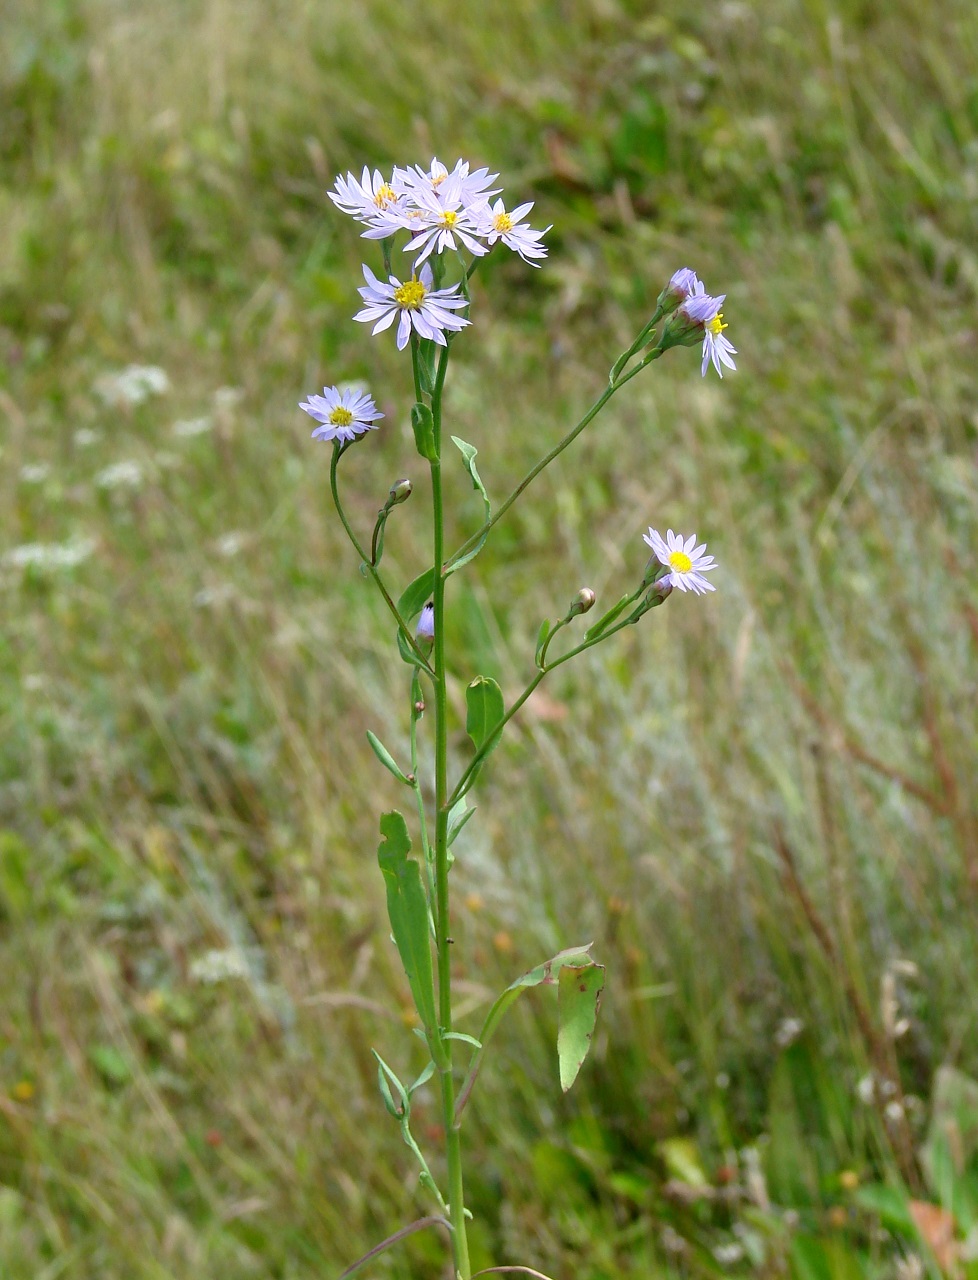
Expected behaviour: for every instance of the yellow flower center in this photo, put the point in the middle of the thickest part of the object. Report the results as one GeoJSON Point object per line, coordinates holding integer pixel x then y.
{"type": "Point", "coordinates": [341, 417]}
{"type": "Point", "coordinates": [449, 218]}
{"type": "Point", "coordinates": [436, 182]}
{"type": "Point", "coordinates": [716, 325]}
{"type": "Point", "coordinates": [680, 561]}
{"type": "Point", "coordinates": [502, 222]}
{"type": "Point", "coordinates": [410, 295]}
{"type": "Point", "coordinates": [384, 196]}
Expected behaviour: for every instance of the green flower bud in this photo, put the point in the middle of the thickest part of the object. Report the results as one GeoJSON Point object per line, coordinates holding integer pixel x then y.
{"type": "Point", "coordinates": [653, 570]}
{"type": "Point", "coordinates": [400, 492]}
{"type": "Point", "coordinates": [582, 602]}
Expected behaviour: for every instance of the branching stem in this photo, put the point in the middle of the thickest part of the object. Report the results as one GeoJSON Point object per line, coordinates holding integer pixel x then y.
{"type": "Point", "coordinates": [371, 568]}
{"type": "Point", "coordinates": [555, 452]}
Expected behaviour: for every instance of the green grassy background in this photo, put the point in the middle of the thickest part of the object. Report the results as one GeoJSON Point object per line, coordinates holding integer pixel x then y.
{"type": "Point", "coordinates": [760, 805]}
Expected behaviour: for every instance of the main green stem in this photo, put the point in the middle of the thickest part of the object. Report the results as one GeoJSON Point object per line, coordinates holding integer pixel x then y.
{"type": "Point", "coordinates": [444, 799]}
{"type": "Point", "coordinates": [453, 1145]}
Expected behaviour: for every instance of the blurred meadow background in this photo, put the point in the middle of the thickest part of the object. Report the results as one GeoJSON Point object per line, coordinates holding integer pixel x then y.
{"type": "Point", "coordinates": [760, 805]}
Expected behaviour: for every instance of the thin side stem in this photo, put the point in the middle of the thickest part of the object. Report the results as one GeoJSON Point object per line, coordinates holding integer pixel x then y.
{"type": "Point", "coordinates": [493, 736]}
{"type": "Point", "coordinates": [416, 696]}
{"type": "Point", "coordinates": [434, 1220]}
{"type": "Point", "coordinates": [555, 452]}
{"type": "Point", "coordinates": [644, 337]}
{"type": "Point", "coordinates": [371, 568]}
{"type": "Point", "coordinates": [426, 1177]}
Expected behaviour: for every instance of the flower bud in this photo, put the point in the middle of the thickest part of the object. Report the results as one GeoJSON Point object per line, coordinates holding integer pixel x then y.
{"type": "Point", "coordinates": [400, 492]}
{"type": "Point", "coordinates": [653, 570]}
{"type": "Point", "coordinates": [661, 591]}
{"type": "Point", "coordinates": [425, 633]}
{"type": "Point", "coordinates": [399, 1108]}
{"type": "Point", "coordinates": [582, 602]}
{"type": "Point", "coordinates": [687, 326]}
{"type": "Point", "coordinates": [681, 285]}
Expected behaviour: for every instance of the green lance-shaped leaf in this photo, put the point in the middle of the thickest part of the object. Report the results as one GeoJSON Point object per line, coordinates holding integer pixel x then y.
{"type": "Point", "coordinates": [423, 1078]}
{"type": "Point", "coordinates": [458, 816]}
{"type": "Point", "coordinates": [578, 1001]}
{"type": "Point", "coordinates": [424, 431]}
{"type": "Point", "coordinates": [407, 909]}
{"type": "Point", "coordinates": [400, 1107]}
{"type": "Point", "coordinates": [416, 595]}
{"type": "Point", "coordinates": [605, 621]}
{"type": "Point", "coordinates": [575, 959]}
{"type": "Point", "coordinates": [468, 453]}
{"type": "Point", "coordinates": [426, 364]}
{"type": "Point", "coordinates": [484, 709]}
{"type": "Point", "coordinates": [386, 759]}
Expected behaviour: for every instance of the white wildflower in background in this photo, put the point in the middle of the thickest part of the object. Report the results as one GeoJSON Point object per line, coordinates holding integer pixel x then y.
{"type": "Point", "coordinates": [788, 1031]}
{"type": "Point", "coordinates": [414, 304]}
{"type": "Point", "coordinates": [227, 397]}
{"type": "Point", "coordinates": [132, 385]}
{"type": "Point", "coordinates": [84, 437]}
{"type": "Point", "coordinates": [728, 1255]}
{"type": "Point", "coordinates": [213, 597]}
{"type": "Point", "coordinates": [497, 224]}
{"type": "Point", "coordinates": [120, 475]}
{"type": "Point", "coordinates": [34, 472]}
{"type": "Point", "coordinates": [755, 1183]}
{"type": "Point", "coordinates": [342, 415]}
{"type": "Point", "coordinates": [909, 1268]}
{"type": "Point", "coordinates": [219, 966]}
{"type": "Point", "coordinates": [229, 544]}
{"type": "Point", "coordinates": [672, 1241]}
{"type": "Point", "coordinates": [684, 558]}
{"type": "Point", "coordinates": [188, 427]}
{"type": "Point", "coordinates": [49, 555]}
{"type": "Point", "coordinates": [866, 1089]}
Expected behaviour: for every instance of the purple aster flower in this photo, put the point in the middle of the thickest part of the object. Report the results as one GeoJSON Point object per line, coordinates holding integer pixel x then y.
{"type": "Point", "coordinates": [342, 415]}
{"type": "Point", "coordinates": [414, 304]}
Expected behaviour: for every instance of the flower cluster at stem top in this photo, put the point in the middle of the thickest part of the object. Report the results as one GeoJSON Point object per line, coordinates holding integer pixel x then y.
{"type": "Point", "coordinates": [441, 209]}
{"type": "Point", "coordinates": [445, 210]}
{"type": "Point", "coordinates": [696, 313]}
